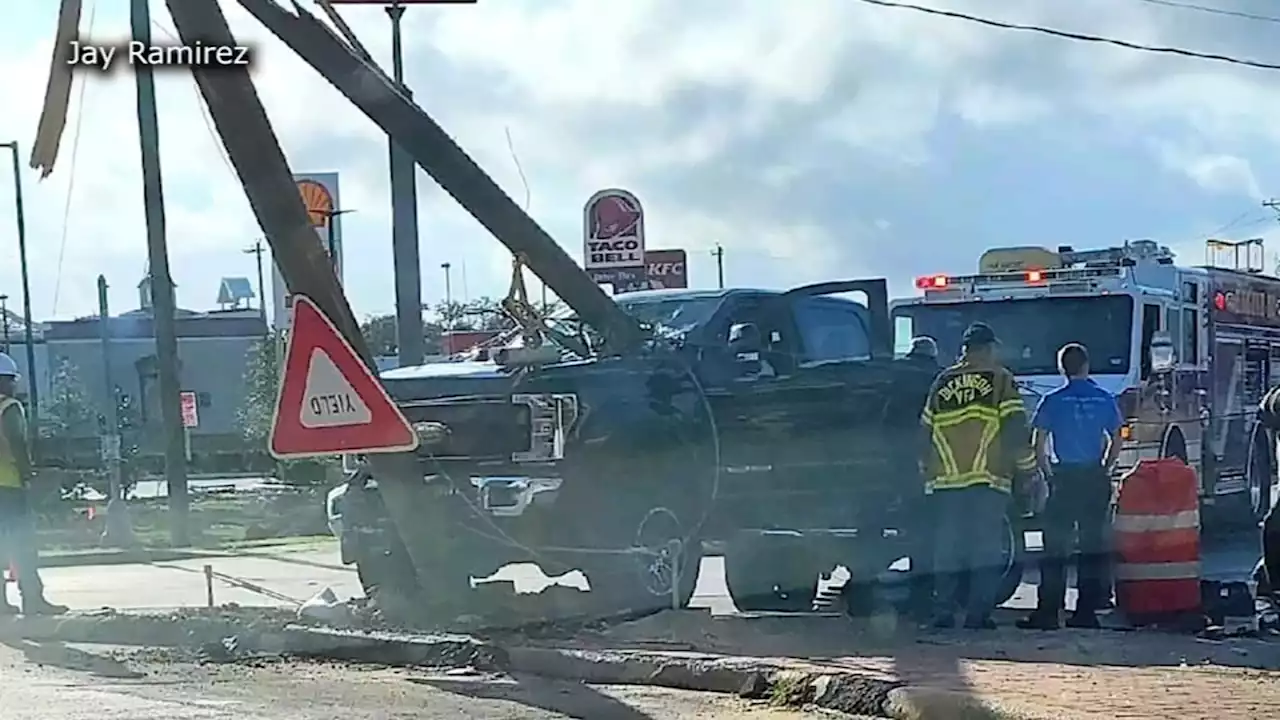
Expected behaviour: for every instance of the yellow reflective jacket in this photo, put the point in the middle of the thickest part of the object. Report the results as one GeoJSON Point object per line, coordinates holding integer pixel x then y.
{"type": "Point", "coordinates": [10, 474]}
{"type": "Point", "coordinates": [976, 430]}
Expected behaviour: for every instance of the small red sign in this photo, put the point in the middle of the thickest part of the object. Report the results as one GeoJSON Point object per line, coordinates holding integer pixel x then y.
{"type": "Point", "coordinates": [190, 409]}
{"type": "Point", "coordinates": [329, 401]}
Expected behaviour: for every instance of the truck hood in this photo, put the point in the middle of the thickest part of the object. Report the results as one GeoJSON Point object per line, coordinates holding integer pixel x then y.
{"type": "Point", "coordinates": [1034, 387]}
{"type": "Point", "coordinates": [466, 369]}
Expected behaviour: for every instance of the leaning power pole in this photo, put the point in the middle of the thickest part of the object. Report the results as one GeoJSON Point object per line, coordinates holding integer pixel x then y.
{"type": "Point", "coordinates": [162, 300]}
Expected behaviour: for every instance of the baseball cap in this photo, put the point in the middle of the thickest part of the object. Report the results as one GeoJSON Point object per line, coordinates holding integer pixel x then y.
{"type": "Point", "coordinates": [979, 334]}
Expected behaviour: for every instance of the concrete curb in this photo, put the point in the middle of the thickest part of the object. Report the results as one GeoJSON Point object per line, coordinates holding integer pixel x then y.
{"type": "Point", "coordinates": [123, 557]}
{"type": "Point", "coordinates": [117, 556]}
{"type": "Point", "coordinates": [793, 683]}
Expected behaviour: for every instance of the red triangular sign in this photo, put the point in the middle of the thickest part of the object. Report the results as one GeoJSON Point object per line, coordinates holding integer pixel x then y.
{"type": "Point", "coordinates": [329, 401]}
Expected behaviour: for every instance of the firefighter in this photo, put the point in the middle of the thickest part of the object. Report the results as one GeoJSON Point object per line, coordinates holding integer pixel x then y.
{"type": "Point", "coordinates": [17, 530]}
{"type": "Point", "coordinates": [977, 444]}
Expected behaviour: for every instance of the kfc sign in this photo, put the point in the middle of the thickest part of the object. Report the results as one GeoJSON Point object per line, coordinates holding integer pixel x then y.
{"type": "Point", "coordinates": [667, 269]}
{"type": "Point", "coordinates": [613, 228]}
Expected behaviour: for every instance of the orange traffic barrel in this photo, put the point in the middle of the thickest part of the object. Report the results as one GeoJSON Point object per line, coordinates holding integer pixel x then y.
{"type": "Point", "coordinates": [1157, 539]}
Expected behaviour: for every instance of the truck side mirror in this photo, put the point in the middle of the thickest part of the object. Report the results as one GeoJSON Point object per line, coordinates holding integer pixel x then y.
{"type": "Point", "coordinates": [1163, 358]}
{"type": "Point", "coordinates": [745, 340]}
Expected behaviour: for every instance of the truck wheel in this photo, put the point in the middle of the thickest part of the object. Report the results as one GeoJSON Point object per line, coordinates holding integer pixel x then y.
{"type": "Point", "coordinates": [1260, 478]}
{"type": "Point", "coordinates": [1012, 564]}
{"type": "Point", "coordinates": [770, 573]}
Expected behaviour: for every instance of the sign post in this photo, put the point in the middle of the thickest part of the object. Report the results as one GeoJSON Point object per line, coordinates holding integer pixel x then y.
{"type": "Point", "coordinates": [190, 418]}
{"type": "Point", "coordinates": [329, 402]}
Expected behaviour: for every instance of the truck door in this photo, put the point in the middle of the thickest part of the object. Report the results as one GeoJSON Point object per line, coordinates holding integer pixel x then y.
{"type": "Point", "coordinates": [747, 367]}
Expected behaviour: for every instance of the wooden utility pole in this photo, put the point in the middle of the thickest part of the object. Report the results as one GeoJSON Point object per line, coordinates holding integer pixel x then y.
{"type": "Point", "coordinates": [257, 250]}
{"type": "Point", "coordinates": [162, 296]}
{"type": "Point", "coordinates": [718, 254]}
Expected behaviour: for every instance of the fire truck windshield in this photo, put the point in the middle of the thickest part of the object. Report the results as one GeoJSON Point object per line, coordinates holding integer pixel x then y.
{"type": "Point", "coordinates": [1031, 331]}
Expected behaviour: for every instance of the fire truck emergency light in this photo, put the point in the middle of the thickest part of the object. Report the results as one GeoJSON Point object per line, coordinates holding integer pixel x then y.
{"type": "Point", "coordinates": [931, 281]}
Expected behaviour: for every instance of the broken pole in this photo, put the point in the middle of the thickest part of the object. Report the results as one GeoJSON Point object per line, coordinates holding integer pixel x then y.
{"type": "Point", "coordinates": [162, 297]}
{"type": "Point", "coordinates": [450, 166]}
{"type": "Point", "coordinates": [254, 151]}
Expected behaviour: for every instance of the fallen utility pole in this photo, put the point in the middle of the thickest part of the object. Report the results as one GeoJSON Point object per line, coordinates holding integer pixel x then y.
{"type": "Point", "coordinates": [449, 165]}
{"type": "Point", "coordinates": [162, 296]}
{"type": "Point", "coordinates": [251, 144]}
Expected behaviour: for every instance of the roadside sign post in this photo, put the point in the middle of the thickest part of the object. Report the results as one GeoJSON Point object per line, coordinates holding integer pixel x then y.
{"type": "Point", "coordinates": [329, 402]}
{"type": "Point", "coordinates": [190, 418]}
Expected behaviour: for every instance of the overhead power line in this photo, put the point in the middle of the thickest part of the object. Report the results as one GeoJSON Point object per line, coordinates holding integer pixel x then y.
{"type": "Point", "coordinates": [1214, 10]}
{"type": "Point", "coordinates": [1081, 37]}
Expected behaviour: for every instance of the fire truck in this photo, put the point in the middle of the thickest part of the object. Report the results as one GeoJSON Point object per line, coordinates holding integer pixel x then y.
{"type": "Point", "coordinates": [1188, 350]}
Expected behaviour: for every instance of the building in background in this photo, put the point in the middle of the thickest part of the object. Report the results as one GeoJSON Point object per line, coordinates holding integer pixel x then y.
{"type": "Point", "coordinates": [320, 194]}
{"type": "Point", "coordinates": [214, 350]}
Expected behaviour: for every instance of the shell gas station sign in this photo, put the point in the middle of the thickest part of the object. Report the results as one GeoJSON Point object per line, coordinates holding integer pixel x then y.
{"type": "Point", "coordinates": [319, 193]}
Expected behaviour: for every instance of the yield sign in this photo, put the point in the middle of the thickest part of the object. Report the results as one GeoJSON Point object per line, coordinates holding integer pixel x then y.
{"type": "Point", "coordinates": [329, 401]}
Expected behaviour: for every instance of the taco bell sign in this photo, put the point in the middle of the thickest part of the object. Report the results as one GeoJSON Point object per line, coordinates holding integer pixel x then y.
{"type": "Point", "coordinates": [613, 228]}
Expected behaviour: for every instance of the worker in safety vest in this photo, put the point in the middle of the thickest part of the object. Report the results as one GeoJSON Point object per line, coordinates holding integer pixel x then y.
{"type": "Point", "coordinates": [977, 445]}
{"type": "Point", "coordinates": [17, 531]}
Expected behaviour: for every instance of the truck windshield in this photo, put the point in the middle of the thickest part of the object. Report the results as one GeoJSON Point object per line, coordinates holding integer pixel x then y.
{"type": "Point", "coordinates": [1031, 331]}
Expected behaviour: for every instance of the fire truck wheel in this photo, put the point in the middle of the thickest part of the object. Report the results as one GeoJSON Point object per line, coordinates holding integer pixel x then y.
{"type": "Point", "coordinates": [770, 573]}
{"type": "Point", "coordinates": [1260, 479]}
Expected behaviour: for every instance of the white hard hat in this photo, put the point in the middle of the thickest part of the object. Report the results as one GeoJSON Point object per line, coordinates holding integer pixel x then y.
{"type": "Point", "coordinates": [8, 368]}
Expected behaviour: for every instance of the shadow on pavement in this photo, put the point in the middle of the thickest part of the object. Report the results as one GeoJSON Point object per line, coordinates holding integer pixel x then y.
{"type": "Point", "coordinates": [58, 655]}
{"type": "Point", "coordinates": [574, 700]}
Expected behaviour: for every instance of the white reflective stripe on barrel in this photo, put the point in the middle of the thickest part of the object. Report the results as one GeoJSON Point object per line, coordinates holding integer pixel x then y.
{"type": "Point", "coordinates": [1185, 520]}
{"type": "Point", "coordinates": [1158, 571]}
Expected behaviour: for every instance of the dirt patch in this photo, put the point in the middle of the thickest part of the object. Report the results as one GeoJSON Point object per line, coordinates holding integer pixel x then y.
{"type": "Point", "coordinates": [1065, 674]}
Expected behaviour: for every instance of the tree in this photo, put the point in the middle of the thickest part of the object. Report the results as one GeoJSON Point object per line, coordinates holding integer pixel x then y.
{"type": "Point", "coordinates": [262, 383]}
{"type": "Point", "coordinates": [380, 333]}
{"type": "Point", "coordinates": [67, 412]}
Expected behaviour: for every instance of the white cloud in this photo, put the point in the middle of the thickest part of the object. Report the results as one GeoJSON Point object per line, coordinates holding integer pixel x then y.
{"type": "Point", "coordinates": [808, 138]}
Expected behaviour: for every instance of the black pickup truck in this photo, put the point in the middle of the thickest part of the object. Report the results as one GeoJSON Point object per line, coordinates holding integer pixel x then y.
{"type": "Point", "coordinates": [777, 426]}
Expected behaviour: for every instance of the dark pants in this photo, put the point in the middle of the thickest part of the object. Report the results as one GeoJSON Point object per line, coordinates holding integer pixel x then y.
{"type": "Point", "coordinates": [18, 542]}
{"type": "Point", "coordinates": [1078, 511]}
{"type": "Point", "coordinates": [969, 527]}
{"type": "Point", "coordinates": [922, 531]}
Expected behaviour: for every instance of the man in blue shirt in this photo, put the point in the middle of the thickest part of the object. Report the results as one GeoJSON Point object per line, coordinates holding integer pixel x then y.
{"type": "Point", "coordinates": [1077, 437]}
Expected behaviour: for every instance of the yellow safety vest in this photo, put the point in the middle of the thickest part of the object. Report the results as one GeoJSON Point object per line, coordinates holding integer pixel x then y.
{"type": "Point", "coordinates": [977, 429]}
{"type": "Point", "coordinates": [10, 476]}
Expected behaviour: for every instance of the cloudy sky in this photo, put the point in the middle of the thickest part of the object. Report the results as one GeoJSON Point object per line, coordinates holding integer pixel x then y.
{"type": "Point", "coordinates": [812, 139]}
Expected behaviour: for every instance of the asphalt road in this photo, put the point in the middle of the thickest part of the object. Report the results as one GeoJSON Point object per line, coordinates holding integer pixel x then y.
{"type": "Point", "coordinates": [285, 577]}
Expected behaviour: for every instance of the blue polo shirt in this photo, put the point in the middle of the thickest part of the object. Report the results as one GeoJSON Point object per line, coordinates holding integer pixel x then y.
{"type": "Point", "coordinates": [1079, 417]}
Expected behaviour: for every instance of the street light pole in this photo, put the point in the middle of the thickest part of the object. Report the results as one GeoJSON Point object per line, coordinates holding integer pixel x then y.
{"type": "Point", "coordinates": [33, 399]}
{"type": "Point", "coordinates": [404, 222]}
{"type": "Point", "coordinates": [448, 294]}
{"type": "Point", "coordinates": [4, 313]}
{"type": "Point", "coordinates": [331, 241]}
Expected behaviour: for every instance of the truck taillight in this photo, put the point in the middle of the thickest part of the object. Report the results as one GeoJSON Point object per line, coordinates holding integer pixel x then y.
{"type": "Point", "coordinates": [931, 282]}
{"type": "Point", "coordinates": [1035, 276]}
